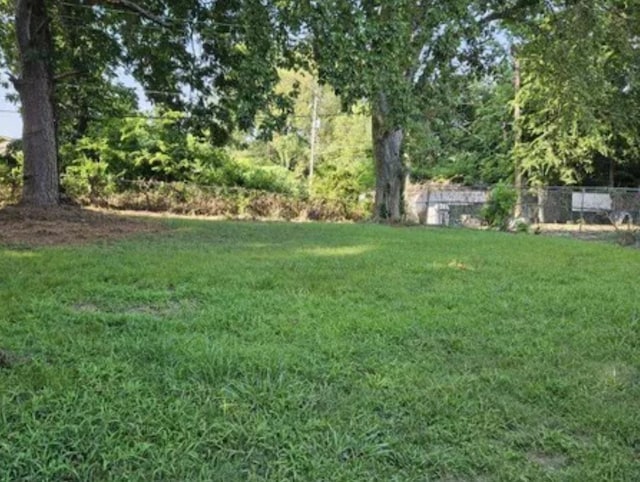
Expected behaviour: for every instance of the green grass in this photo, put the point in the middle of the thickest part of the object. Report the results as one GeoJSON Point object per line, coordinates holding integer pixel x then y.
{"type": "Point", "coordinates": [237, 351]}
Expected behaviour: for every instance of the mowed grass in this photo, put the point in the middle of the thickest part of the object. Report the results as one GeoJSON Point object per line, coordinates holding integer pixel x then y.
{"type": "Point", "coordinates": [238, 351]}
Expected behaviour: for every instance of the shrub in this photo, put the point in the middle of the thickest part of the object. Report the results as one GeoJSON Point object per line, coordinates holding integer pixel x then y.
{"type": "Point", "coordinates": [11, 162]}
{"type": "Point", "coordinates": [88, 181]}
{"type": "Point", "coordinates": [233, 202]}
{"type": "Point", "coordinates": [246, 174]}
{"type": "Point", "coordinates": [499, 207]}
{"type": "Point", "coordinates": [521, 226]}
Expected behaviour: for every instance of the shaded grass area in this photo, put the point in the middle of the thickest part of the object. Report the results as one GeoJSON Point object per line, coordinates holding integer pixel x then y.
{"type": "Point", "coordinates": [239, 351]}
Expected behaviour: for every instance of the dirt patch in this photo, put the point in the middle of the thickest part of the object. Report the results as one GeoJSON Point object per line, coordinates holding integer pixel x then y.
{"type": "Point", "coordinates": [10, 360]}
{"type": "Point", "coordinates": [548, 461]}
{"type": "Point", "coordinates": [607, 233]}
{"type": "Point", "coordinates": [67, 225]}
{"type": "Point", "coordinates": [6, 359]}
{"type": "Point", "coordinates": [158, 309]}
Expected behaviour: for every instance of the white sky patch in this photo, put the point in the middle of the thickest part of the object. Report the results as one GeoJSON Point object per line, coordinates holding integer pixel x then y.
{"type": "Point", "coordinates": [10, 120]}
{"type": "Point", "coordinates": [425, 57]}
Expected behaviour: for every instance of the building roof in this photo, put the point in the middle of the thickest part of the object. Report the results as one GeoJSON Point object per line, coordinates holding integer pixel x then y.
{"type": "Point", "coordinates": [5, 142]}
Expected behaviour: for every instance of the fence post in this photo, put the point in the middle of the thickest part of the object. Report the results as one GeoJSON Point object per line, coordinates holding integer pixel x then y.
{"type": "Point", "coordinates": [426, 217]}
{"type": "Point", "coordinates": [582, 209]}
{"type": "Point", "coordinates": [542, 197]}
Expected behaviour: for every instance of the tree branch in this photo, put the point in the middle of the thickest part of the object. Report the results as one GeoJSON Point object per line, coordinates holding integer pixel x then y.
{"type": "Point", "coordinates": [510, 12]}
{"type": "Point", "coordinates": [66, 75]}
{"type": "Point", "coordinates": [131, 6]}
{"type": "Point", "coordinates": [16, 81]}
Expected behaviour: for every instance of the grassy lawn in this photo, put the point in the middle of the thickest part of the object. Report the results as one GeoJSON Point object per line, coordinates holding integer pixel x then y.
{"type": "Point", "coordinates": [237, 351]}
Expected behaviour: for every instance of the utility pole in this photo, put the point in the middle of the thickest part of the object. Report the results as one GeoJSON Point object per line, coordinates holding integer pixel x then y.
{"type": "Point", "coordinates": [315, 123]}
{"type": "Point", "coordinates": [518, 177]}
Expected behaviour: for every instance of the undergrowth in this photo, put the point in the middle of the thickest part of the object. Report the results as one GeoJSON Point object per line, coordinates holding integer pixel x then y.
{"type": "Point", "coordinates": [230, 202]}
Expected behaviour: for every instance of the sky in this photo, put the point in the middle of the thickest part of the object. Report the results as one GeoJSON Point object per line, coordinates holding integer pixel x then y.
{"type": "Point", "coordinates": [11, 122]}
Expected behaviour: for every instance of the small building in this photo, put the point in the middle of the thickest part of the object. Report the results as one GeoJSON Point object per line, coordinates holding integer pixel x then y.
{"type": "Point", "coordinates": [444, 205]}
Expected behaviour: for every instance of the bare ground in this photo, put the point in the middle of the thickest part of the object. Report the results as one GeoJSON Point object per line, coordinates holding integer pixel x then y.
{"type": "Point", "coordinates": [623, 235]}
{"type": "Point", "coordinates": [73, 225]}
{"type": "Point", "coordinates": [67, 225]}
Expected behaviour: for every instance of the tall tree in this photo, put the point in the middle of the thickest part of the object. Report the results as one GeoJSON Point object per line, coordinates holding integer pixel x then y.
{"type": "Point", "coordinates": [216, 61]}
{"type": "Point", "coordinates": [575, 108]}
{"type": "Point", "coordinates": [465, 133]}
{"type": "Point", "coordinates": [343, 160]}
{"type": "Point", "coordinates": [392, 53]}
{"type": "Point", "coordinates": [580, 89]}
{"type": "Point", "coordinates": [35, 85]}
{"type": "Point", "coordinates": [380, 51]}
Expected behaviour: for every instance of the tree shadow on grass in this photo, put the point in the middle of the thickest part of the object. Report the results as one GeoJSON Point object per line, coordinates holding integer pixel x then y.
{"type": "Point", "coordinates": [65, 225]}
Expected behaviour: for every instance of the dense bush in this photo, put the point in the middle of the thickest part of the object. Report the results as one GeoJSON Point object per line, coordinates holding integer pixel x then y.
{"type": "Point", "coordinates": [143, 148]}
{"type": "Point", "coordinates": [232, 202]}
{"type": "Point", "coordinates": [88, 181]}
{"type": "Point", "coordinates": [154, 163]}
{"type": "Point", "coordinates": [243, 173]}
{"type": "Point", "coordinates": [10, 172]}
{"type": "Point", "coordinates": [499, 208]}
{"type": "Point", "coordinates": [157, 149]}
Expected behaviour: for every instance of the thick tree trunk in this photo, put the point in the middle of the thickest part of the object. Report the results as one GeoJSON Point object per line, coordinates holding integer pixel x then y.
{"type": "Point", "coordinates": [36, 89]}
{"type": "Point", "coordinates": [390, 171]}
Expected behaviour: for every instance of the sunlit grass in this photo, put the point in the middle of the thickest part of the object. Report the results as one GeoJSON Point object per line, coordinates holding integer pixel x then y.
{"type": "Point", "coordinates": [239, 351]}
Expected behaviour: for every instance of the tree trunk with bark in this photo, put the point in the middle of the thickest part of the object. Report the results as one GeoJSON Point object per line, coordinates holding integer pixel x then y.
{"type": "Point", "coordinates": [390, 170]}
{"type": "Point", "coordinates": [36, 89]}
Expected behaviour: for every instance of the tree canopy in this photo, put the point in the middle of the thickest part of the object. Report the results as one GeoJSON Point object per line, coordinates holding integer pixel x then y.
{"type": "Point", "coordinates": [581, 90]}
{"type": "Point", "coordinates": [216, 62]}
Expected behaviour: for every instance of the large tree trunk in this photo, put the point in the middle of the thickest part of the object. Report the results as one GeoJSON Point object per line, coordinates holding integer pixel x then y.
{"type": "Point", "coordinates": [390, 171]}
{"type": "Point", "coordinates": [36, 89]}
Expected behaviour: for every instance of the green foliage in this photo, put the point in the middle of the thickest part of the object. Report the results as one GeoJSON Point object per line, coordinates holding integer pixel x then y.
{"type": "Point", "coordinates": [244, 173]}
{"type": "Point", "coordinates": [499, 207]}
{"type": "Point", "coordinates": [7, 33]}
{"type": "Point", "coordinates": [223, 83]}
{"type": "Point", "coordinates": [157, 148]}
{"type": "Point", "coordinates": [343, 166]}
{"type": "Point", "coordinates": [11, 162]}
{"type": "Point", "coordinates": [233, 68]}
{"type": "Point", "coordinates": [414, 41]}
{"type": "Point", "coordinates": [521, 227]}
{"type": "Point", "coordinates": [211, 353]}
{"type": "Point", "coordinates": [388, 54]}
{"type": "Point", "coordinates": [580, 81]}
{"type": "Point", "coordinates": [345, 169]}
{"type": "Point", "coordinates": [87, 180]}
{"type": "Point", "coordinates": [11, 169]}
{"type": "Point", "coordinates": [465, 134]}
